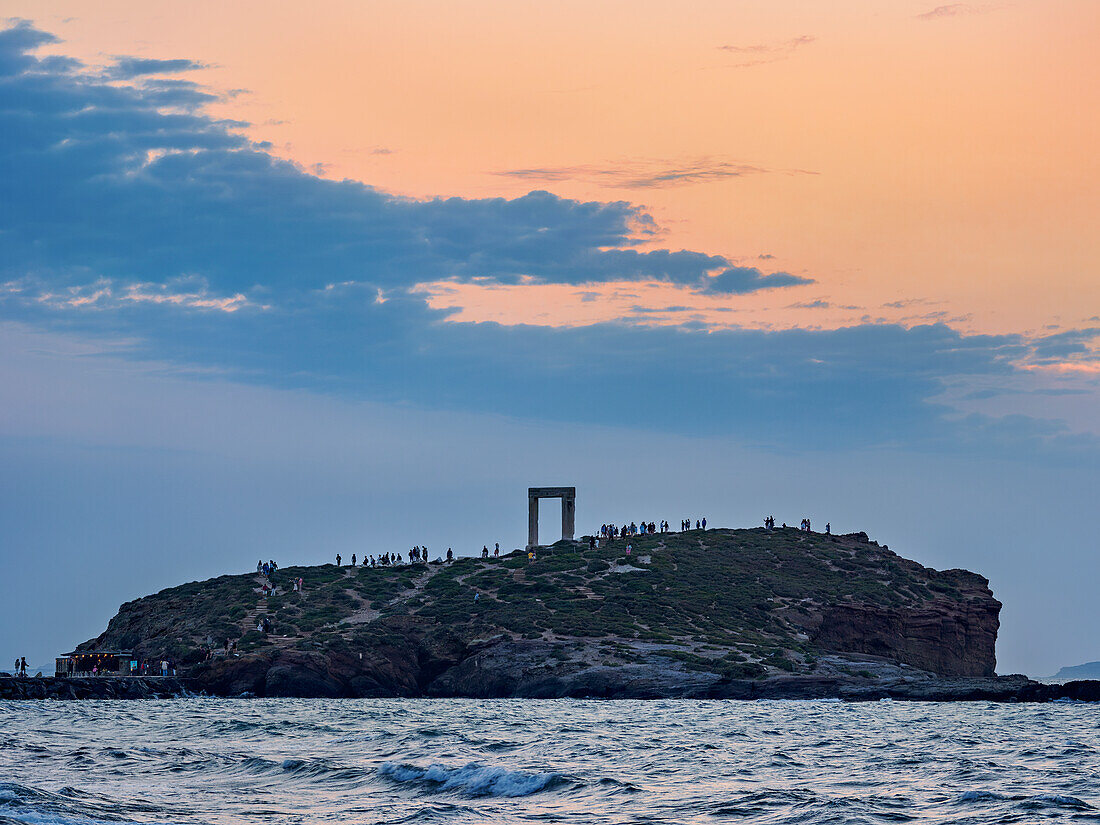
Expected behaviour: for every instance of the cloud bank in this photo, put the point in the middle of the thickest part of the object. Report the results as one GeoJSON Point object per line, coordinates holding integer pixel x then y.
{"type": "Point", "coordinates": [129, 214]}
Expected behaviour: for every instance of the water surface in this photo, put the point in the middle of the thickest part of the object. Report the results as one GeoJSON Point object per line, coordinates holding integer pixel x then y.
{"type": "Point", "coordinates": [515, 761]}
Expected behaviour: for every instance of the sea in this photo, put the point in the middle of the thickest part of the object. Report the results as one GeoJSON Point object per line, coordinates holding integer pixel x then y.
{"type": "Point", "coordinates": [199, 760]}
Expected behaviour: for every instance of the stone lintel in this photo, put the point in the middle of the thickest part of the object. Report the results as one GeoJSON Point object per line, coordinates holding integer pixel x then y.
{"type": "Point", "coordinates": [552, 492]}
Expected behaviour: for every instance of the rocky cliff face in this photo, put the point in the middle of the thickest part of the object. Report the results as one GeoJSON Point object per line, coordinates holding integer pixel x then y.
{"type": "Point", "coordinates": [947, 637]}
{"type": "Point", "coordinates": [714, 613]}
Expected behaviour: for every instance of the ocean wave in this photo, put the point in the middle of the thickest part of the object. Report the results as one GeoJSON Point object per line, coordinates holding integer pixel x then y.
{"type": "Point", "coordinates": [753, 803]}
{"type": "Point", "coordinates": [268, 727]}
{"type": "Point", "coordinates": [320, 769]}
{"type": "Point", "coordinates": [980, 796]}
{"type": "Point", "coordinates": [472, 779]}
{"type": "Point", "coordinates": [1042, 801]}
{"type": "Point", "coordinates": [314, 770]}
{"type": "Point", "coordinates": [187, 761]}
{"type": "Point", "coordinates": [67, 806]}
{"type": "Point", "coordinates": [1029, 803]}
{"type": "Point", "coordinates": [791, 763]}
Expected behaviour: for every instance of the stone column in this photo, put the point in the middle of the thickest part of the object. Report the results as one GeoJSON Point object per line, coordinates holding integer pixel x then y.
{"type": "Point", "coordinates": [532, 521]}
{"type": "Point", "coordinates": [568, 516]}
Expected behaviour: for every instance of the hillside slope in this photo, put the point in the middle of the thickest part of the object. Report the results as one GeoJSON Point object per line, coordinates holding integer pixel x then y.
{"type": "Point", "coordinates": [684, 614]}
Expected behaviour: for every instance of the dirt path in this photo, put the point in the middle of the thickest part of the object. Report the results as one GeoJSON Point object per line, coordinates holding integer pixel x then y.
{"type": "Point", "coordinates": [367, 614]}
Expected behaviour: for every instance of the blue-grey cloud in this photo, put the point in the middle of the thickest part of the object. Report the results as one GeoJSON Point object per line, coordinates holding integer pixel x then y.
{"type": "Point", "coordinates": [128, 68]}
{"type": "Point", "coordinates": [136, 184]}
{"type": "Point", "coordinates": [16, 43]}
{"type": "Point", "coordinates": [117, 185]}
{"type": "Point", "coordinates": [998, 392]}
{"type": "Point", "coordinates": [1066, 344]}
{"type": "Point", "coordinates": [127, 212]}
{"type": "Point", "coordinates": [738, 280]}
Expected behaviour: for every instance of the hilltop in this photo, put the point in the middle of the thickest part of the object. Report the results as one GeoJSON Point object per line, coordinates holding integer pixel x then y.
{"type": "Point", "coordinates": [693, 613]}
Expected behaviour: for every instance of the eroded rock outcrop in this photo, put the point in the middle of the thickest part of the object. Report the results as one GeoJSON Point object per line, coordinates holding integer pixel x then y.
{"type": "Point", "coordinates": [955, 638]}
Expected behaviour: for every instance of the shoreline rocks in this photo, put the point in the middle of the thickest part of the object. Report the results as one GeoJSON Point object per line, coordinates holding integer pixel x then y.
{"type": "Point", "coordinates": [64, 688]}
{"type": "Point", "coordinates": [598, 683]}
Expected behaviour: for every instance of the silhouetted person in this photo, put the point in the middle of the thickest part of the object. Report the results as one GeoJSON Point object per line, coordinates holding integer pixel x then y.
{"type": "Point", "coordinates": [337, 559]}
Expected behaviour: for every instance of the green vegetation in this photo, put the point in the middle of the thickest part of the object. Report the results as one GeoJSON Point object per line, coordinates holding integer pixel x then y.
{"type": "Point", "coordinates": [733, 601]}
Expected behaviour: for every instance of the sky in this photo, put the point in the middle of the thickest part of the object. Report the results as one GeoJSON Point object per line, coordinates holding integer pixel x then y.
{"type": "Point", "coordinates": [282, 283]}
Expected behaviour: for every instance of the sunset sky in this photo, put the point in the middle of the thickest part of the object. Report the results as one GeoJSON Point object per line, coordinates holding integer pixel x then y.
{"type": "Point", "coordinates": [284, 280]}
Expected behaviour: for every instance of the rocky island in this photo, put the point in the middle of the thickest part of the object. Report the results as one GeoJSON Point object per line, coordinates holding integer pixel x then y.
{"type": "Point", "coordinates": [717, 613]}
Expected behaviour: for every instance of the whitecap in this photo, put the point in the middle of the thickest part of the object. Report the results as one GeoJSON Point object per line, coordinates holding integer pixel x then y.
{"type": "Point", "coordinates": [472, 779]}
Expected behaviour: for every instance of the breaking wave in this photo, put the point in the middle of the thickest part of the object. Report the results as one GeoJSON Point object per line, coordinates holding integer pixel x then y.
{"type": "Point", "coordinates": [472, 779]}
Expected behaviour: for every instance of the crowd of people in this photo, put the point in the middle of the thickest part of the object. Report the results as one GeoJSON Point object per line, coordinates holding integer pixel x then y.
{"type": "Point", "coordinates": [804, 525]}
{"type": "Point", "coordinates": [610, 532]}
{"type": "Point", "coordinates": [417, 555]}
{"type": "Point", "coordinates": [270, 587]}
{"type": "Point", "coordinates": [607, 532]}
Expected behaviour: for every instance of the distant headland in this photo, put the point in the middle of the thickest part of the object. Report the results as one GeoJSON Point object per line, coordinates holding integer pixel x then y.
{"type": "Point", "coordinates": [1089, 670]}
{"type": "Point", "coordinates": [703, 613]}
